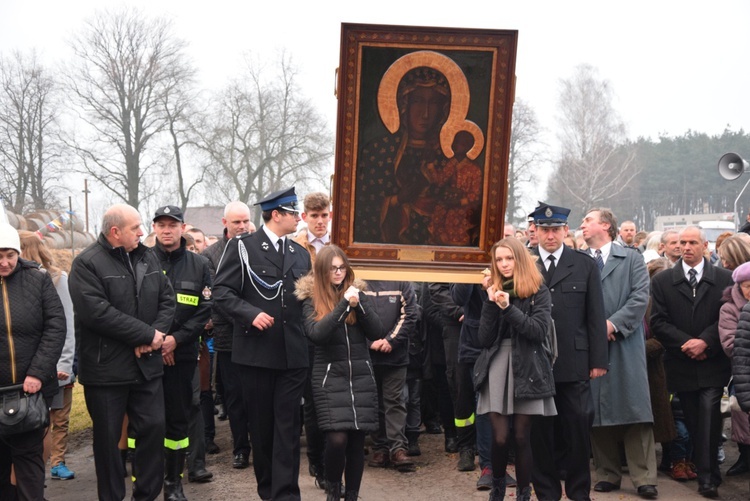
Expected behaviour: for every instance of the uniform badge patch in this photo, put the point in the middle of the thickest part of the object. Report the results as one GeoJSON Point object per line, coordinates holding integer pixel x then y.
{"type": "Point", "coordinates": [264, 246]}
{"type": "Point", "coordinates": [206, 293]}
{"type": "Point", "coordinates": [548, 212]}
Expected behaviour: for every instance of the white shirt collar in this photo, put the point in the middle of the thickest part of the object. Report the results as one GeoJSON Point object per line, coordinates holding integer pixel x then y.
{"type": "Point", "coordinates": [273, 237]}
{"type": "Point", "coordinates": [606, 248]}
{"type": "Point", "coordinates": [698, 270]}
{"type": "Point", "coordinates": [544, 255]}
{"type": "Point", "coordinates": [316, 242]}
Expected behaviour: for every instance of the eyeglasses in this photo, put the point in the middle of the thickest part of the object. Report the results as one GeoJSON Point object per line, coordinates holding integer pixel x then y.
{"type": "Point", "coordinates": [338, 269]}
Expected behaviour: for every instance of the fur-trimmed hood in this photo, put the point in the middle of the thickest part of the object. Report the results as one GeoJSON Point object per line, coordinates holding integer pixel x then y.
{"type": "Point", "coordinates": [304, 286]}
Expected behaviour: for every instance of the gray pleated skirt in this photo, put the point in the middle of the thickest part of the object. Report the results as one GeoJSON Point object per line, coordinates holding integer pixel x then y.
{"type": "Point", "coordinates": [497, 394]}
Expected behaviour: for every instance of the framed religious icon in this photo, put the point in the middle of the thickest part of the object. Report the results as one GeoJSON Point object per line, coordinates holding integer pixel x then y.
{"type": "Point", "coordinates": [422, 145]}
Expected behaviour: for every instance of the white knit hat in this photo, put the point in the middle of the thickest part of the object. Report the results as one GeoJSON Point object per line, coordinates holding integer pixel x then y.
{"type": "Point", "coordinates": [9, 238]}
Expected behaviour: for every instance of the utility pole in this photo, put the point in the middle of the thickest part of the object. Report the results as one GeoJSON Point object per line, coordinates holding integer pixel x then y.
{"type": "Point", "coordinates": [86, 201]}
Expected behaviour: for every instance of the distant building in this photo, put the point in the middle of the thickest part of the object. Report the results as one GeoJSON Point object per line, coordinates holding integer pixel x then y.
{"type": "Point", "coordinates": [206, 218]}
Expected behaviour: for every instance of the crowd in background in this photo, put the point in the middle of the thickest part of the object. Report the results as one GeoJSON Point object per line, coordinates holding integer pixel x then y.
{"type": "Point", "coordinates": [603, 319]}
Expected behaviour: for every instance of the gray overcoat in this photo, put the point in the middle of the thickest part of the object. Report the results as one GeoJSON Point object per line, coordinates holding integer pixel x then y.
{"type": "Point", "coordinates": [622, 396]}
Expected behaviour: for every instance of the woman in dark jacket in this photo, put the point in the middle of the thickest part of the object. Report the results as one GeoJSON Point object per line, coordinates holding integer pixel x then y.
{"type": "Point", "coordinates": [30, 347]}
{"type": "Point", "coordinates": [339, 320]}
{"type": "Point", "coordinates": [516, 317]}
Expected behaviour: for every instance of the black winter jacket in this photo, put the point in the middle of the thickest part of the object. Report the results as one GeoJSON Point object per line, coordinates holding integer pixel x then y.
{"type": "Point", "coordinates": [190, 277]}
{"type": "Point", "coordinates": [471, 298]}
{"type": "Point", "coordinates": [223, 327]}
{"type": "Point", "coordinates": [396, 305]}
{"type": "Point", "coordinates": [343, 382]}
{"type": "Point", "coordinates": [31, 345]}
{"type": "Point", "coordinates": [119, 299]}
{"type": "Point", "coordinates": [528, 324]}
{"type": "Point", "coordinates": [741, 359]}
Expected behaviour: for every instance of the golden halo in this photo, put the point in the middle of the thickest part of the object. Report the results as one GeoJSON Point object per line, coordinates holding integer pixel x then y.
{"type": "Point", "coordinates": [460, 97]}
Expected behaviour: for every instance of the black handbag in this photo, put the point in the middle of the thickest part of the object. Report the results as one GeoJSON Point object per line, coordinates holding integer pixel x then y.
{"type": "Point", "coordinates": [482, 365]}
{"type": "Point", "coordinates": [21, 412]}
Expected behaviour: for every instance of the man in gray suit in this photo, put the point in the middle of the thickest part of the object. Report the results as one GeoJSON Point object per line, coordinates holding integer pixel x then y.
{"type": "Point", "coordinates": [622, 410]}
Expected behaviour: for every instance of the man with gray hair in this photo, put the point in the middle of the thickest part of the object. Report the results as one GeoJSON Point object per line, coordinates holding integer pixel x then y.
{"type": "Point", "coordinates": [686, 302]}
{"type": "Point", "coordinates": [670, 246]}
{"type": "Point", "coordinates": [123, 306]}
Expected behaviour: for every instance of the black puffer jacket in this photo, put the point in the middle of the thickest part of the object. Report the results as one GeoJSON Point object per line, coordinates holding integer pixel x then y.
{"type": "Point", "coordinates": [32, 344]}
{"type": "Point", "coordinates": [223, 327]}
{"type": "Point", "coordinates": [526, 324]}
{"type": "Point", "coordinates": [396, 305]}
{"type": "Point", "coordinates": [343, 382]}
{"type": "Point", "coordinates": [118, 301]}
{"type": "Point", "coordinates": [741, 359]}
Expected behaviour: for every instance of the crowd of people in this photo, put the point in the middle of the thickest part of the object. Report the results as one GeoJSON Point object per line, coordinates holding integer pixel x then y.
{"type": "Point", "coordinates": [596, 343]}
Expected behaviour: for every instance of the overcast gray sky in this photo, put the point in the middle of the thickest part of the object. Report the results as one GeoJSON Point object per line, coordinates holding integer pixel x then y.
{"type": "Point", "coordinates": [674, 65]}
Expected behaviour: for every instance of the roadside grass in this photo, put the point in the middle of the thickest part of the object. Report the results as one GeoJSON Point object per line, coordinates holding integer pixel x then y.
{"type": "Point", "coordinates": [79, 415]}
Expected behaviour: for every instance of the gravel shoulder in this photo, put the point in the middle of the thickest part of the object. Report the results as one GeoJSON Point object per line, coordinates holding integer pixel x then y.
{"type": "Point", "coordinates": [435, 478]}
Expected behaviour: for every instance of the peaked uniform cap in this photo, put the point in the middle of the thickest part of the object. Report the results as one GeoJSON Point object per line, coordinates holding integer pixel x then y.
{"type": "Point", "coordinates": [550, 215]}
{"type": "Point", "coordinates": [285, 199]}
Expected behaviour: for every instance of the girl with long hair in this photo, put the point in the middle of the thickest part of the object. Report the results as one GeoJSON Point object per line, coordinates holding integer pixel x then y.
{"type": "Point", "coordinates": [516, 317]}
{"type": "Point", "coordinates": [34, 248]}
{"type": "Point", "coordinates": [339, 321]}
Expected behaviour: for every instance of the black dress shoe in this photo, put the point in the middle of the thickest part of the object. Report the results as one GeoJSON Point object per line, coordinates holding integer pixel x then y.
{"type": "Point", "coordinates": [648, 492]}
{"type": "Point", "coordinates": [211, 447]}
{"type": "Point", "coordinates": [604, 486]}
{"type": "Point", "coordinates": [451, 445]}
{"type": "Point", "coordinates": [200, 476]}
{"type": "Point", "coordinates": [739, 468]}
{"type": "Point", "coordinates": [708, 490]}
{"type": "Point", "coordinates": [241, 461]}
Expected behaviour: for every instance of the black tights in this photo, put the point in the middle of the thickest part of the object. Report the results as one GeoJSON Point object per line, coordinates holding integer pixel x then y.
{"type": "Point", "coordinates": [345, 449]}
{"type": "Point", "coordinates": [501, 444]}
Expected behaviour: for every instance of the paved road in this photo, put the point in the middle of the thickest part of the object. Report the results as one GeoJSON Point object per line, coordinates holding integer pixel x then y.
{"type": "Point", "coordinates": [435, 479]}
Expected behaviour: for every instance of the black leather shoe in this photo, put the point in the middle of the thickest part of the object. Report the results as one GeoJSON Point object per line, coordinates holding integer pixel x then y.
{"type": "Point", "coordinates": [211, 447]}
{"type": "Point", "coordinates": [241, 461]}
{"type": "Point", "coordinates": [708, 490]}
{"type": "Point", "coordinates": [648, 492]}
{"type": "Point", "coordinates": [604, 486]}
{"type": "Point", "coordinates": [200, 476]}
{"type": "Point", "coordinates": [451, 445]}
{"type": "Point", "coordinates": [739, 468]}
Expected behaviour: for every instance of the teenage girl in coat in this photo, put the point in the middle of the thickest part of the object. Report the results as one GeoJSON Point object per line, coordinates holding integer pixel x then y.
{"type": "Point", "coordinates": [516, 316]}
{"type": "Point", "coordinates": [339, 320]}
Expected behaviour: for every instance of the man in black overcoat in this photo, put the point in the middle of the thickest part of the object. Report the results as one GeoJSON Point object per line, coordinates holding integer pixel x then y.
{"type": "Point", "coordinates": [563, 442]}
{"type": "Point", "coordinates": [685, 305]}
{"type": "Point", "coordinates": [254, 286]}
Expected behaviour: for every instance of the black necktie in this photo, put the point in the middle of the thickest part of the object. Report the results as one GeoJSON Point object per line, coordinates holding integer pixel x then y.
{"type": "Point", "coordinates": [691, 279]}
{"type": "Point", "coordinates": [551, 267]}
{"type": "Point", "coordinates": [281, 246]}
{"type": "Point", "coordinates": [599, 259]}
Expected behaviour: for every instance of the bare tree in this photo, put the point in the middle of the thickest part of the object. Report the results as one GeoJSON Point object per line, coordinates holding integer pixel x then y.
{"type": "Point", "coordinates": [595, 162]}
{"type": "Point", "coordinates": [125, 67]}
{"type": "Point", "coordinates": [180, 112]}
{"type": "Point", "coordinates": [264, 135]}
{"type": "Point", "coordinates": [525, 160]}
{"type": "Point", "coordinates": [29, 149]}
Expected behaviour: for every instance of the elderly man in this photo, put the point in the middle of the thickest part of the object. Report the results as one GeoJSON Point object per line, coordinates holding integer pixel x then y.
{"type": "Point", "coordinates": [670, 246]}
{"type": "Point", "coordinates": [621, 399]}
{"type": "Point", "coordinates": [254, 286]}
{"type": "Point", "coordinates": [124, 306]}
{"type": "Point", "coordinates": [686, 302]}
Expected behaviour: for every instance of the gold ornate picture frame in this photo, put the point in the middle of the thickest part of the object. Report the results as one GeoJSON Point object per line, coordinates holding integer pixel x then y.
{"type": "Point", "coordinates": [423, 134]}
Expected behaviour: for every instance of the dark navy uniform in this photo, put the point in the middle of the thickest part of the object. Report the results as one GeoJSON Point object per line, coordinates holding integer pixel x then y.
{"type": "Point", "coordinates": [563, 441]}
{"type": "Point", "coordinates": [254, 278]}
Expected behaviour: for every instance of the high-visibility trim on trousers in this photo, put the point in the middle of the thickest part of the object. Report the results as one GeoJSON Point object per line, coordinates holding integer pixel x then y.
{"type": "Point", "coordinates": [176, 445]}
{"type": "Point", "coordinates": [462, 423]}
